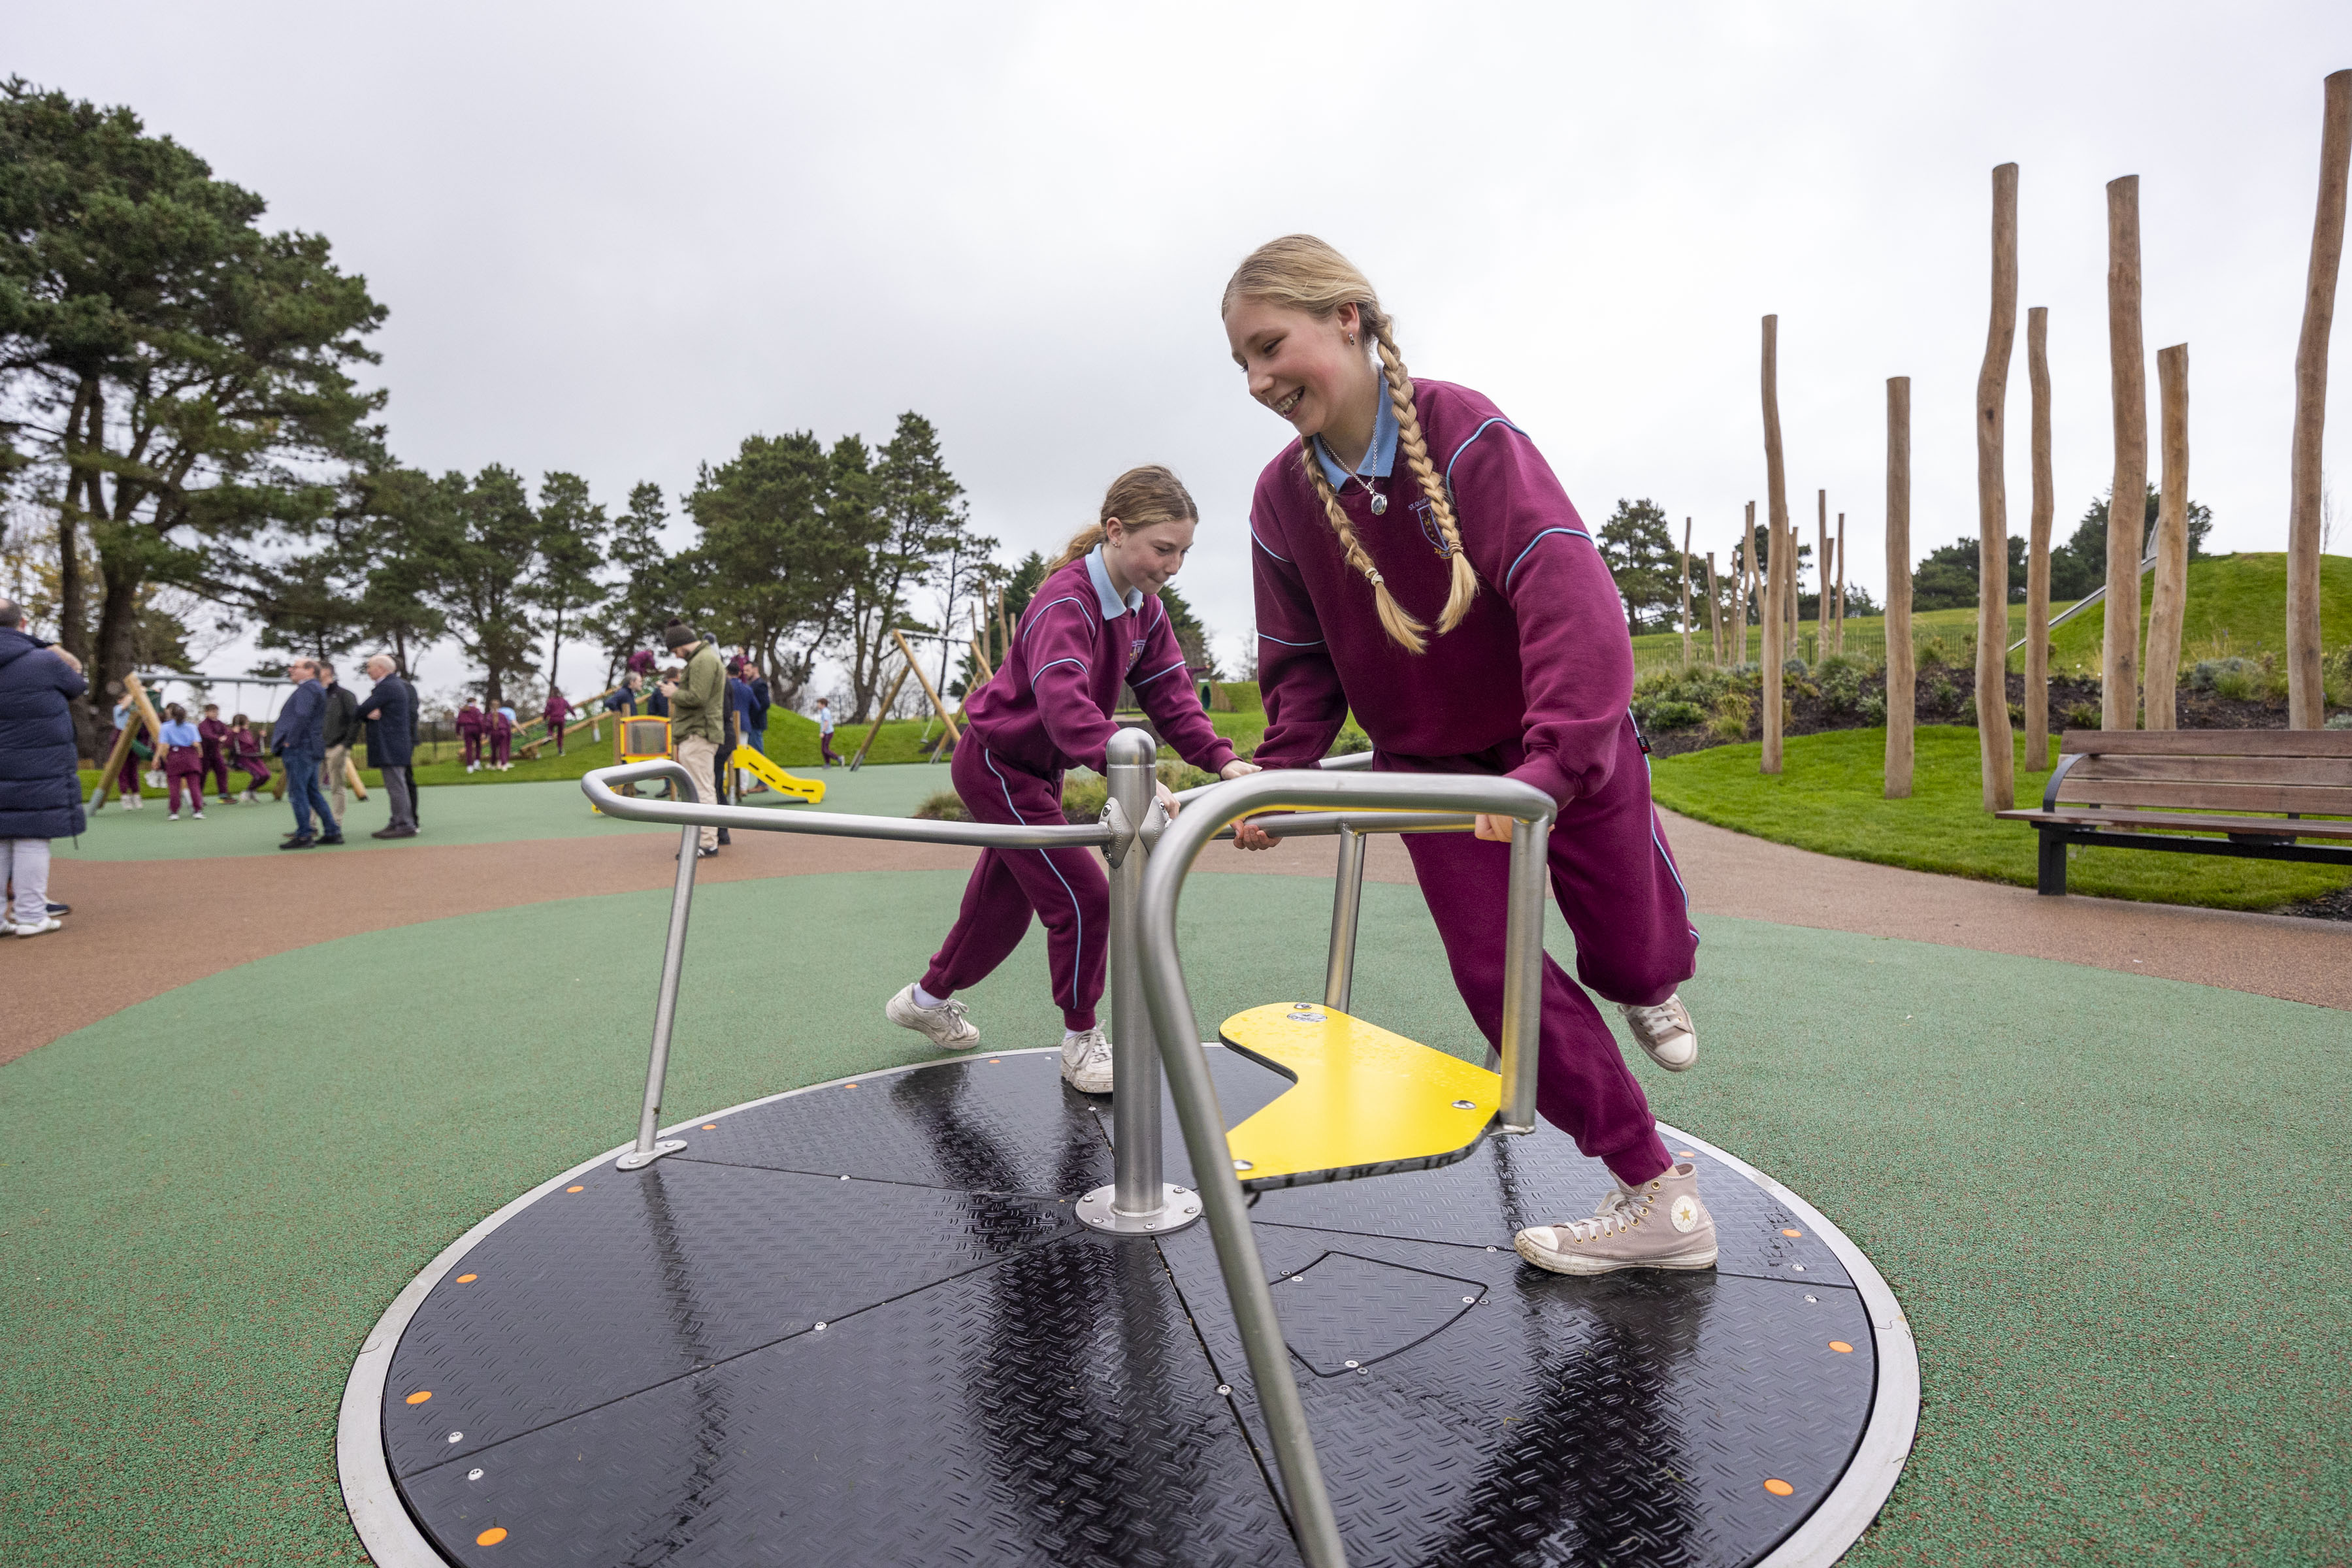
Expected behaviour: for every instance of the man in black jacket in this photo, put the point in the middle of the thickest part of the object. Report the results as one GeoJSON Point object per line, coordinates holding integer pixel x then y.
{"type": "Point", "coordinates": [40, 794]}
{"type": "Point", "coordinates": [298, 737]}
{"type": "Point", "coordinates": [342, 731]}
{"type": "Point", "coordinates": [390, 710]}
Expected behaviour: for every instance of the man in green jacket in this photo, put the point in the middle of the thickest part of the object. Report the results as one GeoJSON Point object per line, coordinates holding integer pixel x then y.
{"type": "Point", "coordinates": [698, 717]}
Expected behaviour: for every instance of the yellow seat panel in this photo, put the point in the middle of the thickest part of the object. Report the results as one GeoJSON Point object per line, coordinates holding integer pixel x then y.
{"type": "Point", "coordinates": [757, 765]}
{"type": "Point", "coordinates": [1363, 1101]}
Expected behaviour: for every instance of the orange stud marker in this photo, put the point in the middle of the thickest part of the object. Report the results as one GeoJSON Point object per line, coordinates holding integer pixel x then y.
{"type": "Point", "coordinates": [1686, 1153]}
{"type": "Point", "coordinates": [420, 1396]}
{"type": "Point", "coordinates": [491, 1536]}
{"type": "Point", "coordinates": [711, 1127]}
{"type": "Point", "coordinates": [849, 1086]}
{"type": "Point", "coordinates": [1779, 1489]}
{"type": "Point", "coordinates": [1786, 1232]}
{"type": "Point", "coordinates": [1841, 1347]}
{"type": "Point", "coordinates": [994, 1060]}
{"type": "Point", "coordinates": [468, 1279]}
{"type": "Point", "coordinates": [575, 1189]}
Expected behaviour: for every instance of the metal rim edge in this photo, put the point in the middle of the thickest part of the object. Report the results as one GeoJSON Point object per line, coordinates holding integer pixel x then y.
{"type": "Point", "coordinates": [392, 1540]}
{"type": "Point", "coordinates": [1839, 1520]}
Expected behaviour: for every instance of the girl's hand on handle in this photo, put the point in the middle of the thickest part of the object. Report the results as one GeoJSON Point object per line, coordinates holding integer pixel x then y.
{"type": "Point", "coordinates": [1244, 836]}
{"type": "Point", "coordinates": [1238, 769]}
{"type": "Point", "coordinates": [1167, 798]}
{"type": "Point", "coordinates": [1494, 829]}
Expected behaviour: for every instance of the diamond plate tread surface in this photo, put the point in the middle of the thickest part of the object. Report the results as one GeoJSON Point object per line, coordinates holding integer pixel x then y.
{"type": "Point", "coordinates": [1001, 1124]}
{"type": "Point", "coordinates": [1342, 1311]}
{"type": "Point", "coordinates": [643, 1276]}
{"type": "Point", "coordinates": [1628, 1419]}
{"type": "Point", "coordinates": [1052, 1409]}
{"type": "Point", "coordinates": [1511, 1183]}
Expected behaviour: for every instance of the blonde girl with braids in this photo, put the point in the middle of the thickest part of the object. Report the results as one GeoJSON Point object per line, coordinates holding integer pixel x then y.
{"type": "Point", "coordinates": [1094, 624]}
{"type": "Point", "coordinates": [1456, 604]}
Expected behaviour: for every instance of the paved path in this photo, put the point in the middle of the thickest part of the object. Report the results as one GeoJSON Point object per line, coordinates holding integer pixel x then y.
{"type": "Point", "coordinates": [142, 928]}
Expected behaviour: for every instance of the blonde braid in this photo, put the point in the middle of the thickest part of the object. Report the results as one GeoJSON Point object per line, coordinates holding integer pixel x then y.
{"type": "Point", "coordinates": [1399, 622]}
{"type": "Point", "coordinates": [1416, 452]}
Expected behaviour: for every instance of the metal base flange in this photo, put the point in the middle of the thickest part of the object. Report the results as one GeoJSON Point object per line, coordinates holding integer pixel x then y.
{"type": "Point", "coordinates": [634, 1161]}
{"type": "Point", "coordinates": [1180, 1207]}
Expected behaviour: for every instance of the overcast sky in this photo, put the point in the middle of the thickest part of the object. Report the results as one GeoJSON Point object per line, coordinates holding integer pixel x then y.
{"type": "Point", "coordinates": [618, 239]}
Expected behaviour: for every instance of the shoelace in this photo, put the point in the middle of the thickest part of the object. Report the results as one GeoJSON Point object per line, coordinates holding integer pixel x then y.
{"type": "Point", "coordinates": [1616, 1216]}
{"type": "Point", "coordinates": [1097, 1050]}
{"type": "Point", "coordinates": [1665, 1018]}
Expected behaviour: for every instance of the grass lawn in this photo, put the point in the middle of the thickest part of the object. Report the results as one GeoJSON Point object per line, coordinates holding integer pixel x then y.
{"type": "Point", "coordinates": [1828, 799]}
{"type": "Point", "coordinates": [2237, 605]}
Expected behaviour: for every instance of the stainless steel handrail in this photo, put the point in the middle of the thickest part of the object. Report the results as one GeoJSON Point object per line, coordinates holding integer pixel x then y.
{"type": "Point", "coordinates": [1170, 1007]}
{"type": "Point", "coordinates": [691, 815]}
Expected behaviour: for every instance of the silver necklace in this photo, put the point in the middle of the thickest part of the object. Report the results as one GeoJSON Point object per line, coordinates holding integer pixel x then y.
{"type": "Point", "coordinates": [1363, 474]}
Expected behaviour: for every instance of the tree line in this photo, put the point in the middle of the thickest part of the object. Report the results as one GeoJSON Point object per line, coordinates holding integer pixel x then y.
{"type": "Point", "coordinates": [182, 421]}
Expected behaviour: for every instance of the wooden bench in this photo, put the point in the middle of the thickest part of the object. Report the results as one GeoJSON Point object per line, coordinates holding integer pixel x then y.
{"type": "Point", "coordinates": [2150, 789]}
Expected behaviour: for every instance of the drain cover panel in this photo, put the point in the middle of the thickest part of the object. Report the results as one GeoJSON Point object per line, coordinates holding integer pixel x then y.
{"type": "Point", "coordinates": [1342, 1313]}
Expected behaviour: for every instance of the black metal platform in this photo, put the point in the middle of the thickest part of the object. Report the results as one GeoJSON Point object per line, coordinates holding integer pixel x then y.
{"type": "Point", "coordinates": [858, 1323]}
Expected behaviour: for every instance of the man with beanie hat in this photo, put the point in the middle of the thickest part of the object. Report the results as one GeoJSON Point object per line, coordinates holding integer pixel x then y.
{"type": "Point", "coordinates": [697, 716]}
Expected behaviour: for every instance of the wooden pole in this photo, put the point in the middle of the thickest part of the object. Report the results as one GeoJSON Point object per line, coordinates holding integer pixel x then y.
{"type": "Point", "coordinates": [1837, 626]}
{"type": "Point", "coordinates": [1003, 628]}
{"type": "Point", "coordinates": [113, 768]}
{"type": "Point", "coordinates": [2306, 702]}
{"type": "Point", "coordinates": [2037, 552]}
{"type": "Point", "coordinates": [938, 703]}
{"type": "Point", "coordinates": [1714, 612]}
{"type": "Point", "coordinates": [1900, 674]}
{"type": "Point", "coordinates": [1686, 544]}
{"type": "Point", "coordinates": [1755, 590]}
{"type": "Point", "coordinates": [2160, 668]}
{"type": "Point", "coordinates": [879, 714]}
{"type": "Point", "coordinates": [1778, 559]}
{"type": "Point", "coordinates": [1996, 748]}
{"type": "Point", "coordinates": [2127, 505]}
{"type": "Point", "coordinates": [351, 777]}
{"type": "Point", "coordinates": [1822, 553]}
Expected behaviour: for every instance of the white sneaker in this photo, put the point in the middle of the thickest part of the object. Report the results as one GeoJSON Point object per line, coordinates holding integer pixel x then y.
{"type": "Point", "coordinates": [200, 816]}
{"type": "Point", "coordinates": [1665, 1032]}
{"type": "Point", "coordinates": [46, 923]}
{"type": "Point", "coordinates": [173, 817]}
{"type": "Point", "coordinates": [946, 1025]}
{"type": "Point", "coordinates": [1660, 1224]}
{"type": "Point", "coordinates": [1086, 1062]}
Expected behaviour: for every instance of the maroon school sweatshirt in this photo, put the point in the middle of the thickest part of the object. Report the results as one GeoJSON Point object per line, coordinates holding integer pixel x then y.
{"type": "Point", "coordinates": [1543, 657]}
{"type": "Point", "coordinates": [1048, 706]}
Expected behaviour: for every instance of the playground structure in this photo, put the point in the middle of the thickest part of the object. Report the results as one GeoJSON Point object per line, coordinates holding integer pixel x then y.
{"type": "Point", "coordinates": [985, 1294]}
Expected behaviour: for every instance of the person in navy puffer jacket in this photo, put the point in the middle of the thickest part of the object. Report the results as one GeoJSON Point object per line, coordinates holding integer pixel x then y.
{"type": "Point", "coordinates": [40, 794]}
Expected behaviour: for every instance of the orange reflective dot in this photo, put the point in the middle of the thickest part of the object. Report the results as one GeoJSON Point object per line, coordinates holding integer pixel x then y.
{"type": "Point", "coordinates": [575, 1189]}
{"type": "Point", "coordinates": [1841, 1347]}
{"type": "Point", "coordinates": [1686, 1153]}
{"type": "Point", "coordinates": [1793, 1233]}
{"type": "Point", "coordinates": [851, 1086]}
{"type": "Point", "coordinates": [491, 1536]}
{"type": "Point", "coordinates": [1779, 1489]}
{"type": "Point", "coordinates": [468, 1279]}
{"type": "Point", "coordinates": [994, 1060]}
{"type": "Point", "coordinates": [420, 1396]}
{"type": "Point", "coordinates": [711, 1127]}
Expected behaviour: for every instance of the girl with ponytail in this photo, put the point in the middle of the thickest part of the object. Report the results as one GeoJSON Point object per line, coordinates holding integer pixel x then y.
{"type": "Point", "coordinates": [1094, 624]}
{"type": "Point", "coordinates": [1460, 609]}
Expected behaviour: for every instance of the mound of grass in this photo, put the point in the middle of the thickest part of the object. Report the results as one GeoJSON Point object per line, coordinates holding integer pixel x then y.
{"type": "Point", "coordinates": [2237, 607]}
{"type": "Point", "coordinates": [1829, 798]}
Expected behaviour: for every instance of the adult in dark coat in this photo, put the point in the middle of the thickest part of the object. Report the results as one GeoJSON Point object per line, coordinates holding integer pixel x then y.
{"type": "Point", "coordinates": [40, 794]}
{"type": "Point", "coordinates": [298, 736]}
{"type": "Point", "coordinates": [390, 711]}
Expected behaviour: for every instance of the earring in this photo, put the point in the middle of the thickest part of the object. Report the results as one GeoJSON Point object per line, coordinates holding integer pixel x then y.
{"type": "Point", "coordinates": [1351, 339]}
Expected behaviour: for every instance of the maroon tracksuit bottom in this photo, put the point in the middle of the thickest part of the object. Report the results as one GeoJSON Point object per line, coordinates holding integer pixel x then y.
{"type": "Point", "coordinates": [1617, 884]}
{"type": "Point", "coordinates": [1065, 887]}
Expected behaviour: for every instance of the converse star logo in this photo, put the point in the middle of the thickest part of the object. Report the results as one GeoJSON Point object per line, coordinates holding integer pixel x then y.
{"type": "Point", "coordinates": [1686, 1212]}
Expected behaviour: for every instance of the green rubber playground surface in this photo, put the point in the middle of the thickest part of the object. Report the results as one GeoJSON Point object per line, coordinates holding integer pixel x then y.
{"type": "Point", "coordinates": [482, 814]}
{"type": "Point", "coordinates": [2103, 1199]}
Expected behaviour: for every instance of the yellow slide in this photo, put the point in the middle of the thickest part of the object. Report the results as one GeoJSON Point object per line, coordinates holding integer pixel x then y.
{"type": "Point", "coordinates": [809, 790]}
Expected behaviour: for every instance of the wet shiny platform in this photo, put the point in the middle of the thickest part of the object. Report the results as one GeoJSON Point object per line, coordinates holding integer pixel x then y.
{"type": "Point", "coordinates": [858, 1324]}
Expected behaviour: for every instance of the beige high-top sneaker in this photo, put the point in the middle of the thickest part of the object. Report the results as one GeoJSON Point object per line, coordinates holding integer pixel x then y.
{"type": "Point", "coordinates": [1660, 1224]}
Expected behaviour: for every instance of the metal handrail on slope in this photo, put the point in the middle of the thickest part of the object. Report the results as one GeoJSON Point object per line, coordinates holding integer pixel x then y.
{"type": "Point", "coordinates": [1172, 1020]}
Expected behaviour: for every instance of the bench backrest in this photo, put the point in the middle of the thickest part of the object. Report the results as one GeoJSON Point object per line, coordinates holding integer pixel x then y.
{"type": "Point", "coordinates": [2308, 772]}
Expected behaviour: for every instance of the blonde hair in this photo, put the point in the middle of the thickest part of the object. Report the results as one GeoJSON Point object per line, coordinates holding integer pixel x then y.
{"type": "Point", "coordinates": [1300, 272]}
{"type": "Point", "coordinates": [1139, 498]}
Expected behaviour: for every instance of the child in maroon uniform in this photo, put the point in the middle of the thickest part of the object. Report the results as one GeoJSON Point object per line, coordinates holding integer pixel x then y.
{"type": "Point", "coordinates": [245, 751]}
{"type": "Point", "coordinates": [184, 762]}
{"type": "Point", "coordinates": [469, 733]}
{"type": "Point", "coordinates": [556, 711]}
{"type": "Point", "coordinates": [209, 731]}
{"type": "Point", "coordinates": [500, 722]}
{"type": "Point", "coordinates": [1093, 623]}
{"type": "Point", "coordinates": [1460, 610]}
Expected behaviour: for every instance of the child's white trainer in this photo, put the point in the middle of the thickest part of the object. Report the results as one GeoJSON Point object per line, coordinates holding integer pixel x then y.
{"type": "Point", "coordinates": [1665, 1032]}
{"type": "Point", "coordinates": [1660, 1224]}
{"type": "Point", "coordinates": [1086, 1062]}
{"type": "Point", "coordinates": [945, 1024]}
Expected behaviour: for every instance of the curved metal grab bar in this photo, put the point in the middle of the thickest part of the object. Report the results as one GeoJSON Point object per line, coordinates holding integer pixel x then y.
{"type": "Point", "coordinates": [1171, 1008]}
{"type": "Point", "coordinates": [596, 785]}
{"type": "Point", "coordinates": [1348, 761]}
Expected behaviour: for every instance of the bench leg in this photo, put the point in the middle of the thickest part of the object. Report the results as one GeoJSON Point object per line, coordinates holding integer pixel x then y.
{"type": "Point", "coordinates": [2051, 872]}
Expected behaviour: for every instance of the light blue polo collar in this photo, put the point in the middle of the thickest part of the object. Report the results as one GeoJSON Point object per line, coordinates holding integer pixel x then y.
{"type": "Point", "coordinates": [1113, 606]}
{"type": "Point", "coordinates": [1379, 462]}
